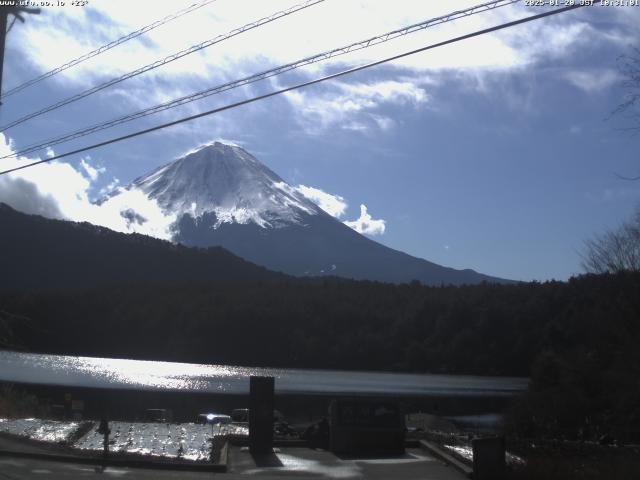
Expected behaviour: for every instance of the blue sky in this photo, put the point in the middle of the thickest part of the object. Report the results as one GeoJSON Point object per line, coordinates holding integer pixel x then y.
{"type": "Point", "coordinates": [497, 154]}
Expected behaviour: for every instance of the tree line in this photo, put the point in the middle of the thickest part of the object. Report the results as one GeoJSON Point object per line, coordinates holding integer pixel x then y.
{"type": "Point", "coordinates": [577, 340]}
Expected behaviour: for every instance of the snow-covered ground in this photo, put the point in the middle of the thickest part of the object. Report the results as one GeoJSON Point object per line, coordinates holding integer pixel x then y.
{"type": "Point", "coordinates": [37, 429]}
{"type": "Point", "coordinates": [187, 441]}
{"type": "Point", "coordinates": [466, 452]}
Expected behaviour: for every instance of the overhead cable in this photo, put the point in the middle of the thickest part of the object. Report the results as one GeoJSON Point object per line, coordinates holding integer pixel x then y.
{"type": "Point", "coordinates": [300, 85]}
{"type": "Point", "coordinates": [369, 42]}
{"type": "Point", "coordinates": [164, 61]}
{"type": "Point", "coordinates": [106, 47]}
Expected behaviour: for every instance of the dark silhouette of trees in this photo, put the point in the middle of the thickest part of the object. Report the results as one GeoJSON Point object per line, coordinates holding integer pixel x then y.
{"type": "Point", "coordinates": [616, 250]}
{"type": "Point", "coordinates": [577, 340]}
{"type": "Point", "coordinates": [335, 323]}
{"type": "Point", "coordinates": [629, 68]}
{"type": "Point", "coordinates": [129, 296]}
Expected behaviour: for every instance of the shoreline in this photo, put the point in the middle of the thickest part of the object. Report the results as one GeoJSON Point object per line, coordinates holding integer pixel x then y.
{"type": "Point", "coordinates": [131, 404]}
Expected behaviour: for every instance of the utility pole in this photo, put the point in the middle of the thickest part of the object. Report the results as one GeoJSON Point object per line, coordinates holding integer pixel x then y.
{"type": "Point", "coordinates": [4, 13]}
{"type": "Point", "coordinates": [17, 12]}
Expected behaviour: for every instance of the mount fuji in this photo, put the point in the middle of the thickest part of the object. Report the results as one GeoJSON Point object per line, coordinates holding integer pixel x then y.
{"type": "Point", "coordinates": [223, 196]}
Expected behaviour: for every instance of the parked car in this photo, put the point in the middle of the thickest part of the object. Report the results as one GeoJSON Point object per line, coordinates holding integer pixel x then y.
{"type": "Point", "coordinates": [213, 419]}
{"type": "Point", "coordinates": [160, 415]}
{"type": "Point", "coordinates": [241, 415]}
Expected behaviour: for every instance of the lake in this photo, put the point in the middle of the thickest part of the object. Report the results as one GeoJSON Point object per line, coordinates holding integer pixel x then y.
{"type": "Point", "coordinates": [113, 373]}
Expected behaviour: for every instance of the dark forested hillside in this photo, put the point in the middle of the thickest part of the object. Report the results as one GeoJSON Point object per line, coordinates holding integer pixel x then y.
{"type": "Point", "coordinates": [578, 340]}
{"type": "Point", "coordinates": [330, 323]}
{"type": "Point", "coordinates": [39, 253]}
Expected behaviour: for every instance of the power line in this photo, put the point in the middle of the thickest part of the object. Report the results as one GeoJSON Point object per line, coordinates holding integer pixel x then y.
{"type": "Point", "coordinates": [108, 46]}
{"type": "Point", "coordinates": [301, 85]}
{"type": "Point", "coordinates": [265, 74]}
{"type": "Point", "coordinates": [164, 61]}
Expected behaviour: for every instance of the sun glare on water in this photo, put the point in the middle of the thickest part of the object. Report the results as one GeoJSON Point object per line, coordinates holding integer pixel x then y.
{"type": "Point", "coordinates": [160, 375]}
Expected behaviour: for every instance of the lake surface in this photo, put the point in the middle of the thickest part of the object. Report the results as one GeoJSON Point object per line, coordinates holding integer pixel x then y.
{"type": "Point", "coordinates": [225, 379]}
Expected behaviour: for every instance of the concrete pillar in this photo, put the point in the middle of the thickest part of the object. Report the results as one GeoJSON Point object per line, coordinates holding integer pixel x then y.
{"type": "Point", "coordinates": [261, 414]}
{"type": "Point", "coordinates": [488, 458]}
{"type": "Point", "coordinates": [68, 412]}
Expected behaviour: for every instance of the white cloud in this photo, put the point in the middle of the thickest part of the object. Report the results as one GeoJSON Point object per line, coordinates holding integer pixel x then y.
{"type": "Point", "coordinates": [25, 197]}
{"type": "Point", "coordinates": [91, 171]}
{"type": "Point", "coordinates": [349, 105]}
{"type": "Point", "coordinates": [355, 127]}
{"type": "Point", "coordinates": [334, 205]}
{"type": "Point", "coordinates": [233, 143]}
{"type": "Point", "coordinates": [366, 224]}
{"type": "Point", "coordinates": [384, 123]}
{"type": "Point", "coordinates": [62, 33]}
{"type": "Point", "coordinates": [110, 187]}
{"type": "Point", "coordinates": [592, 81]}
{"type": "Point", "coordinates": [389, 91]}
{"type": "Point", "coordinates": [131, 211]}
{"type": "Point", "coordinates": [58, 190]}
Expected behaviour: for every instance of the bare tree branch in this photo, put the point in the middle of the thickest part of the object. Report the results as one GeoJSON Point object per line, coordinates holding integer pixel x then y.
{"type": "Point", "coordinates": [629, 68]}
{"type": "Point", "coordinates": [614, 251]}
{"type": "Point", "coordinates": [622, 177]}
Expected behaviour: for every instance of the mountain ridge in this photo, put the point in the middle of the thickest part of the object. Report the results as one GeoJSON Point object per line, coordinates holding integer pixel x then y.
{"type": "Point", "coordinates": [222, 195]}
{"type": "Point", "coordinates": [40, 253]}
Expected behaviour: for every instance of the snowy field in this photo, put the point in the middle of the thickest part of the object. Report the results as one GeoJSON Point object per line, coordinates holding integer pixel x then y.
{"type": "Point", "coordinates": [36, 429]}
{"type": "Point", "coordinates": [186, 441]}
{"type": "Point", "coordinates": [466, 452]}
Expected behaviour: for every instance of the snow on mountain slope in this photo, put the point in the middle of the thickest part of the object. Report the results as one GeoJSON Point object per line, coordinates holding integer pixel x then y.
{"type": "Point", "coordinates": [220, 195]}
{"type": "Point", "coordinates": [229, 182]}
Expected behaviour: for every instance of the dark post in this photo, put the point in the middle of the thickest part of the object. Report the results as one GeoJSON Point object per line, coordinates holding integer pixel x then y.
{"type": "Point", "coordinates": [4, 13]}
{"type": "Point", "coordinates": [104, 430]}
{"type": "Point", "coordinates": [488, 458]}
{"type": "Point", "coordinates": [68, 412]}
{"type": "Point", "coordinates": [17, 12]}
{"type": "Point", "coordinates": [261, 414]}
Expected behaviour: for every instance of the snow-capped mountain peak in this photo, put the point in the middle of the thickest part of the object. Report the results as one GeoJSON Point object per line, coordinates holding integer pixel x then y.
{"type": "Point", "coordinates": [229, 182]}
{"type": "Point", "coordinates": [220, 195]}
